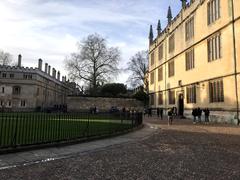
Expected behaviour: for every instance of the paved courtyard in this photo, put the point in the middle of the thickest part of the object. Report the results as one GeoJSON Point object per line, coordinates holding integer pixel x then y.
{"type": "Point", "coordinates": [158, 151]}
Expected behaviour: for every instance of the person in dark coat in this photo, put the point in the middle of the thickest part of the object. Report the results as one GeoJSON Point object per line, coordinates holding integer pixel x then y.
{"type": "Point", "coordinates": [161, 113]}
{"type": "Point", "coordinates": [123, 110]}
{"type": "Point", "coordinates": [145, 111]}
{"type": "Point", "coordinates": [194, 113]}
{"type": "Point", "coordinates": [150, 112]}
{"type": "Point", "coordinates": [170, 116]}
{"type": "Point", "coordinates": [95, 110]}
{"type": "Point", "coordinates": [206, 113]}
{"type": "Point", "coordinates": [158, 112]}
{"type": "Point", "coordinates": [199, 114]}
{"type": "Point", "coordinates": [175, 111]}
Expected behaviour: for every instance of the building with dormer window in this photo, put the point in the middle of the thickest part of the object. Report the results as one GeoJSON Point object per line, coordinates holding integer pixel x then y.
{"type": "Point", "coordinates": [197, 54]}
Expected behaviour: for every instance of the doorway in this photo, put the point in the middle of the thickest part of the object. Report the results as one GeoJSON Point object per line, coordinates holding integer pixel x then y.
{"type": "Point", "coordinates": [180, 104]}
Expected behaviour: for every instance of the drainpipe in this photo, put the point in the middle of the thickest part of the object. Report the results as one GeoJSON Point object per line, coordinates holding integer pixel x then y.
{"type": "Point", "coordinates": [235, 59]}
{"type": "Point", "coordinates": [165, 92]}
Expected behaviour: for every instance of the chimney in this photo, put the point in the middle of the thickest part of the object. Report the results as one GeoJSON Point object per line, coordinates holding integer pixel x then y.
{"type": "Point", "coordinates": [40, 64]}
{"type": "Point", "coordinates": [49, 69]}
{"type": "Point", "coordinates": [46, 67]}
{"type": "Point", "coordinates": [19, 60]}
{"type": "Point", "coordinates": [53, 72]}
{"type": "Point", "coordinates": [63, 79]}
{"type": "Point", "coordinates": [58, 75]}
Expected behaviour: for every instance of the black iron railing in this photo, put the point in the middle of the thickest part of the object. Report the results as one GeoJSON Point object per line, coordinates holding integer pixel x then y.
{"type": "Point", "coordinates": [22, 129]}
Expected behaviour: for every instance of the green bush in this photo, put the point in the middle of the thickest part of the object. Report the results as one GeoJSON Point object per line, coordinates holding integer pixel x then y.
{"type": "Point", "coordinates": [141, 96]}
{"type": "Point", "coordinates": [113, 89]}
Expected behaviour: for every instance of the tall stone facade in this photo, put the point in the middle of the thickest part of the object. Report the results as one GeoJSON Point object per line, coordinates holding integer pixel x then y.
{"type": "Point", "coordinates": [194, 61]}
{"type": "Point", "coordinates": [28, 89]}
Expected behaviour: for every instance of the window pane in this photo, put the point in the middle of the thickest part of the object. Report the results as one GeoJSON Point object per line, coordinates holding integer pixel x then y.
{"type": "Point", "coordinates": [152, 58]}
{"type": "Point", "coordinates": [219, 46]}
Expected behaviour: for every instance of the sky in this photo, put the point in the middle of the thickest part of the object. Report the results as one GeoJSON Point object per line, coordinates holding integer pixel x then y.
{"type": "Point", "coordinates": [50, 29]}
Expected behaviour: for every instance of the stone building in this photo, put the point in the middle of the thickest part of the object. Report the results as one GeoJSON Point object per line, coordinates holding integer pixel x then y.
{"type": "Point", "coordinates": [194, 61]}
{"type": "Point", "coordinates": [28, 89]}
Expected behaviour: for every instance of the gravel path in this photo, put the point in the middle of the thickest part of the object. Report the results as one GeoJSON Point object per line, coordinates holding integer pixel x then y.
{"type": "Point", "coordinates": [170, 153]}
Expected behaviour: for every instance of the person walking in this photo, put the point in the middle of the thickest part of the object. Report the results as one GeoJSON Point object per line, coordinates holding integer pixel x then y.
{"type": "Point", "coordinates": [123, 110]}
{"type": "Point", "coordinates": [175, 111]}
{"type": "Point", "coordinates": [206, 113]}
{"type": "Point", "coordinates": [194, 113]}
{"type": "Point", "coordinates": [95, 110]}
{"type": "Point", "coordinates": [158, 112]}
{"type": "Point", "coordinates": [149, 112]}
{"type": "Point", "coordinates": [170, 114]}
{"type": "Point", "coordinates": [199, 114]}
{"type": "Point", "coordinates": [145, 111]}
{"type": "Point", "coordinates": [161, 113]}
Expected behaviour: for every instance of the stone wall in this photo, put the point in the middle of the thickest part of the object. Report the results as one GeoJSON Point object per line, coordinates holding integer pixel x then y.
{"type": "Point", "coordinates": [78, 103]}
{"type": "Point", "coordinates": [217, 116]}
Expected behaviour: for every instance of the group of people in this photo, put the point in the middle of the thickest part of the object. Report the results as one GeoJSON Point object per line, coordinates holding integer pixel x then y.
{"type": "Point", "coordinates": [129, 110]}
{"type": "Point", "coordinates": [149, 112]}
{"type": "Point", "coordinates": [172, 112]}
{"type": "Point", "coordinates": [197, 115]}
{"type": "Point", "coordinates": [93, 110]}
{"type": "Point", "coordinates": [160, 112]}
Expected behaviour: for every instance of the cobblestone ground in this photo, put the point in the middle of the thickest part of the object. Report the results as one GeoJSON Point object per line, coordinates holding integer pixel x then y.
{"type": "Point", "coordinates": [181, 151]}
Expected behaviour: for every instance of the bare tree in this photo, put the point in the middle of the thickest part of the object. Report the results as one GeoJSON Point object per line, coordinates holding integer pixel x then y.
{"type": "Point", "coordinates": [138, 67]}
{"type": "Point", "coordinates": [94, 63]}
{"type": "Point", "coordinates": [5, 58]}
